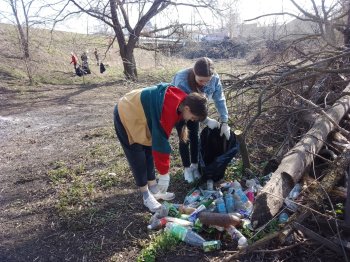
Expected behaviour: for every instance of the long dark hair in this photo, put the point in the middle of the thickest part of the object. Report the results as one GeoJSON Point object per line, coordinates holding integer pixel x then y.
{"type": "Point", "coordinates": [197, 104]}
{"type": "Point", "coordinates": [198, 107]}
{"type": "Point", "coordinates": [204, 66]}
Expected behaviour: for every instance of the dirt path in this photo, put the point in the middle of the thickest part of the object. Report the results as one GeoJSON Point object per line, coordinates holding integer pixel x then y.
{"type": "Point", "coordinates": [38, 127]}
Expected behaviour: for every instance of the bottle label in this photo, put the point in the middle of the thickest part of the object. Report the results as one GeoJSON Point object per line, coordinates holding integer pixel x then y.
{"type": "Point", "coordinates": [211, 245]}
{"type": "Point", "coordinates": [179, 232]}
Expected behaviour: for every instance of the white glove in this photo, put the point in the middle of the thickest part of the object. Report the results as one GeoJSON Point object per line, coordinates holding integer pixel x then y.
{"type": "Point", "coordinates": [225, 130]}
{"type": "Point", "coordinates": [163, 183]}
{"type": "Point", "coordinates": [212, 123]}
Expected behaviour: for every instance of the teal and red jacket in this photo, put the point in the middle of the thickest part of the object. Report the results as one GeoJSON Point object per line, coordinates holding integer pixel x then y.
{"type": "Point", "coordinates": [149, 115]}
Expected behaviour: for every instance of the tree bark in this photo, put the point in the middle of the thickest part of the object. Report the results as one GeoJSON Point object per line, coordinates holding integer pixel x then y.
{"type": "Point", "coordinates": [296, 162]}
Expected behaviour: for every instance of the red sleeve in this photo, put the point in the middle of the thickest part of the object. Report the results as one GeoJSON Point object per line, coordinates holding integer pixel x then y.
{"type": "Point", "coordinates": [161, 161]}
{"type": "Point", "coordinates": [169, 116]}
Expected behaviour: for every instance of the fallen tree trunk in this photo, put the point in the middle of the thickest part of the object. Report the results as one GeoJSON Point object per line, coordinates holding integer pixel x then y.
{"type": "Point", "coordinates": [296, 161]}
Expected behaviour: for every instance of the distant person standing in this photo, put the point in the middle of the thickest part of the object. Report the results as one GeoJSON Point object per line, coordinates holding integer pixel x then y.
{"type": "Point", "coordinates": [97, 56]}
{"type": "Point", "coordinates": [85, 64]}
{"type": "Point", "coordinates": [84, 57]}
{"type": "Point", "coordinates": [74, 60]}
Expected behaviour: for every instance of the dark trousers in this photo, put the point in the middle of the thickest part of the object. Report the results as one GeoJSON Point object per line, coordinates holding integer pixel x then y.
{"type": "Point", "coordinates": [139, 156]}
{"type": "Point", "coordinates": [191, 146]}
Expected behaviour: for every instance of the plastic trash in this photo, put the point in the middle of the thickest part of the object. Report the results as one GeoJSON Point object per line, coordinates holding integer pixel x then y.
{"type": "Point", "coordinates": [192, 197]}
{"type": "Point", "coordinates": [217, 219]}
{"type": "Point", "coordinates": [211, 245]}
{"type": "Point", "coordinates": [167, 209]}
{"type": "Point", "coordinates": [251, 184]}
{"type": "Point", "coordinates": [193, 216]}
{"type": "Point", "coordinates": [210, 184]}
{"type": "Point", "coordinates": [157, 224]}
{"type": "Point", "coordinates": [179, 221]}
{"type": "Point", "coordinates": [230, 202]}
{"type": "Point", "coordinates": [184, 234]}
{"type": "Point", "coordinates": [242, 201]}
{"type": "Point", "coordinates": [237, 235]}
{"type": "Point", "coordinates": [283, 218]}
{"type": "Point", "coordinates": [293, 194]}
{"type": "Point", "coordinates": [220, 205]}
{"type": "Point", "coordinates": [186, 209]}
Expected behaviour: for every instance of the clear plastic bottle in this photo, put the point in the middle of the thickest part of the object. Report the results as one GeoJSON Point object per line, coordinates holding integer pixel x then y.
{"type": "Point", "coordinates": [157, 224]}
{"type": "Point", "coordinates": [250, 189]}
{"type": "Point", "coordinates": [242, 201]}
{"type": "Point", "coordinates": [210, 184]}
{"type": "Point", "coordinates": [283, 218]}
{"type": "Point", "coordinates": [179, 221]}
{"type": "Point", "coordinates": [229, 201]}
{"type": "Point", "coordinates": [293, 194]}
{"type": "Point", "coordinates": [237, 235]}
{"type": "Point", "coordinates": [193, 196]}
{"type": "Point", "coordinates": [184, 234]}
{"type": "Point", "coordinates": [220, 205]}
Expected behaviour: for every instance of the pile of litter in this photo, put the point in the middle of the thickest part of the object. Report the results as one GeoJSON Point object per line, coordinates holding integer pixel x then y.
{"type": "Point", "coordinates": [225, 208]}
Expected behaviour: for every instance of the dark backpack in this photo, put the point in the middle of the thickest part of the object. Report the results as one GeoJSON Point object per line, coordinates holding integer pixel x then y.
{"type": "Point", "coordinates": [79, 71]}
{"type": "Point", "coordinates": [216, 152]}
{"type": "Point", "coordinates": [102, 68]}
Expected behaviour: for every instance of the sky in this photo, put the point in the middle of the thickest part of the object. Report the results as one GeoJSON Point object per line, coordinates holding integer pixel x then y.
{"type": "Point", "coordinates": [247, 9]}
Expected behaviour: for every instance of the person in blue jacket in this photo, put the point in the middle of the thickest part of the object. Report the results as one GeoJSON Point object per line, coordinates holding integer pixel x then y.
{"type": "Point", "coordinates": [201, 79]}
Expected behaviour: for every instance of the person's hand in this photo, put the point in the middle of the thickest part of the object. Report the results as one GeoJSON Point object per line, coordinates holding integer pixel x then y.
{"type": "Point", "coordinates": [212, 123]}
{"type": "Point", "coordinates": [225, 130]}
{"type": "Point", "coordinates": [163, 183]}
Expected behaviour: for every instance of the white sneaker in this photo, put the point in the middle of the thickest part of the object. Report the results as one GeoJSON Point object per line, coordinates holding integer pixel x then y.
{"type": "Point", "coordinates": [151, 203]}
{"type": "Point", "coordinates": [195, 172]}
{"type": "Point", "coordinates": [188, 174]}
{"type": "Point", "coordinates": [164, 196]}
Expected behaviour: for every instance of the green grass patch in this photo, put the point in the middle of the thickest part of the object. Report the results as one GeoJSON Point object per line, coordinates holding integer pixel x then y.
{"type": "Point", "coordinates": [158, 244]}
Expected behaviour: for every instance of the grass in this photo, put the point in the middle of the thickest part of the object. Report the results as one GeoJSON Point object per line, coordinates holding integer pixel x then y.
{"type": "Point", "coordinates": [158, 244]}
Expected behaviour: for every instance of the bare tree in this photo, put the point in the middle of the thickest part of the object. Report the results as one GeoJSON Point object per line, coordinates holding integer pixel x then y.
{"type": "Point", "coordinates": [119, 14]}
{"type": "Point", "coordinates": [24, 14]}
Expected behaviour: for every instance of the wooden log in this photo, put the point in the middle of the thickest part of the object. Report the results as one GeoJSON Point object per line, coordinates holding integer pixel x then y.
{"type": "Point", "coordinates": [243, 148]}
{"type": "Point", "coordinates": [295, 163]}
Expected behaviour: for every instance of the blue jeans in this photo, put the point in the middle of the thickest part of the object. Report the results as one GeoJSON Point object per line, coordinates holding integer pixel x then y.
{"type": "Point", "coordinates": [139, 156]}
{"type": "Point", "coordinates": [192, 145]}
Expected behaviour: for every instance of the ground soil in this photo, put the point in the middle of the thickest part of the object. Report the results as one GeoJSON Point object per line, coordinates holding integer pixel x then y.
{"type": "Point", "coordinates": [45, 124]}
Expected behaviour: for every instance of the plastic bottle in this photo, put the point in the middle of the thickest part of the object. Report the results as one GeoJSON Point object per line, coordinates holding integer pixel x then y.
{"type": "Point", "coordinates": [179, 221]}
{"type": "Point", "coordinates": [226, 185]}
{"type": "Point", "coordinates": [250, 189]}
{"type": "Point", "coordinates": [294, 193]}
{"type": "Point", "coordinates": [242, 201]}
{"type": "Point", "coordinates": [229, 201]}
{"type": "Point", "coordinates": [157, 224]}
{"type": "Point", "coordinates": [193, 216]}
{"type": "Point", "coordinates": [186, 209]}
{"type": "Point", "coordinates": [184, 234]}
{"type": "Point", "coordinates": [283, 218]}
{"type": "Point", "coordinates": [193, 196]}
{"type": "Point", "coordinates": [171, 210]}
{"type": "Point", "coordinates": [217, 219]}
{"type": "Point", "coordinates": [211, 245]}
{"type": "Point", "coordinates": [237, 235]}
{"type": "Point", "coordinates": [220, 205]}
